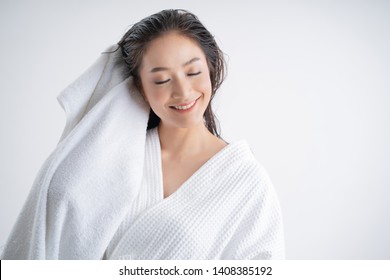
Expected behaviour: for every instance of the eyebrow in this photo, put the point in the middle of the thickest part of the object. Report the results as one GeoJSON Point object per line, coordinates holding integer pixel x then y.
{"type": "Point", "coordinates": [157, 69]}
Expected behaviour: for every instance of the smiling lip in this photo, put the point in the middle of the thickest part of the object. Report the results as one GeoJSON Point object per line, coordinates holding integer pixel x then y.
{"type": "Point", "coordinates": [184, 107]}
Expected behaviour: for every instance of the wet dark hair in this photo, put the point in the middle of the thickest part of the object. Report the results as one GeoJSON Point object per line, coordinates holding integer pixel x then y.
{"type": "Point", "coordinates": [134, 43]}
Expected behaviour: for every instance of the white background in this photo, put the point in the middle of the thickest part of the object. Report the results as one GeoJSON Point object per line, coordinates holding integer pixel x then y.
{"type": "Point", "coordinates": [308, 87]}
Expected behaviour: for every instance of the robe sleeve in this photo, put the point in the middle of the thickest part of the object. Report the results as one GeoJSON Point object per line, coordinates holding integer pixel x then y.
{"type": "Point", "coordinates": [259, 234]}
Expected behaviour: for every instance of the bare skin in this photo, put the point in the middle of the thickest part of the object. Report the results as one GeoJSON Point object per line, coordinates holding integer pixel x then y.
{"type": "Point", "coordinates": [184, 152]}
{"type": "Point", "coordinates": [175, 75]}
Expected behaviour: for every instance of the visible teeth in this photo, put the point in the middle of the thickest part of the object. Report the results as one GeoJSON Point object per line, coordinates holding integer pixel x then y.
{"type": "Point", "coordinates": [185, 107]}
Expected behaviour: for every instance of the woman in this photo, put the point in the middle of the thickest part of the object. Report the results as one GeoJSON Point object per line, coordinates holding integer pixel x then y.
{"type": "Point", "coordinates": [180, 192]}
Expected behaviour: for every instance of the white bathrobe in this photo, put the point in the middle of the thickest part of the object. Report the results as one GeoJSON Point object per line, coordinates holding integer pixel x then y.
{"type": "Point", "coordinates": [227, 209]}
{"type": "Point", "coordinates": [94, 197]}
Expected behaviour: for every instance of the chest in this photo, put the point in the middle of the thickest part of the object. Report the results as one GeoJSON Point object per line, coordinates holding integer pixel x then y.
{"type": "Point", "coordinates": [176, 173]}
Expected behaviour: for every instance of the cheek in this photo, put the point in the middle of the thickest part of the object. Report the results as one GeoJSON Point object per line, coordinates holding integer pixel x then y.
{"type": "Point", "coordinates": [204, 85]}
{"type": "Point", "coordinates": [150, 93]}
{"type": "Point", "coordinates": [154, 97]}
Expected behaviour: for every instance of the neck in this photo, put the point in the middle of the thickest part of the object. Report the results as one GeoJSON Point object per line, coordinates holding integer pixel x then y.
{"type": "Point", "coordinates": [183, 142]}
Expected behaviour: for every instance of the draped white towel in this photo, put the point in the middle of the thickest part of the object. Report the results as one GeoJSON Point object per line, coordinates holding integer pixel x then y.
{"type": "Point", "coordinates": [85, 187]}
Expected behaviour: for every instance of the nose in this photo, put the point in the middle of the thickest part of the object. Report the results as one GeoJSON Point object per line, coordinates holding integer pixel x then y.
{"type": "Point", "coordinates": [181, 88]}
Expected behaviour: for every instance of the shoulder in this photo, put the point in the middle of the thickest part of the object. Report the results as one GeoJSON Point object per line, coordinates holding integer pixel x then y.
{"type": "Point", "coordinates": [243, 168]}
{"type": "Point", "coordinates": [240, 155]}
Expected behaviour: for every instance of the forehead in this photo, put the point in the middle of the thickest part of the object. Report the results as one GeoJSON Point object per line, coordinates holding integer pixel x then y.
{"type": "Point", "coordinates": [171, 50]}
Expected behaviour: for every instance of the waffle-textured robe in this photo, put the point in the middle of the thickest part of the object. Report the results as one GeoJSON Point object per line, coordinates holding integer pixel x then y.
{"type": "Point", "coordinates": [226, 210]}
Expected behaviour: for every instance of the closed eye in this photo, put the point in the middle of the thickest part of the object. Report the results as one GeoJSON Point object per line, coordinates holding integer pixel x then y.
{"type": "Point", "coordinates": [162, 82]}
{"type": "Point", "coordinates": [194, 74]}
{"type": "Point", "coordinates": [167, 80]}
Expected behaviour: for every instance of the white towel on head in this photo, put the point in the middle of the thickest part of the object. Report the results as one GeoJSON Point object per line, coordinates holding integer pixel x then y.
{"type": "Point", "coordinates": [85, 187]}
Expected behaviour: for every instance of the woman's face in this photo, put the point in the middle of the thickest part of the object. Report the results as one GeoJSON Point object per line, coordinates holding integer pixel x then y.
{"type": "Point", "coordinates": [175, 80]}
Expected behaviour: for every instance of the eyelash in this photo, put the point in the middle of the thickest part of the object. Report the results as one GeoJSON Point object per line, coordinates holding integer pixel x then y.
{"type": "Point", "coordinates": [166, 81]}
